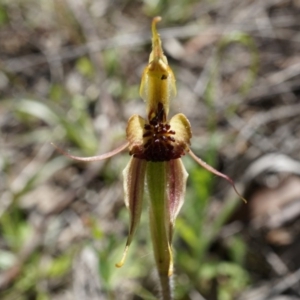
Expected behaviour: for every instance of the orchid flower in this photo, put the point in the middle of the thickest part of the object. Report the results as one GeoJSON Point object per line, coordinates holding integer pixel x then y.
{"type": "Point", "coordinates": [156, 145]}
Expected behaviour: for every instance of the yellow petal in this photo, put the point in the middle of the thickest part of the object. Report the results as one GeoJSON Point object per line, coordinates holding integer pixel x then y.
{"type": "Point", "coordinates": [183, 132]}
{"type": "Point", "coordinates": [134, 177]}
{"type": "Point", "coordinates": [134, 134]}
{"type": "Point", "coordinates": [158, 81]}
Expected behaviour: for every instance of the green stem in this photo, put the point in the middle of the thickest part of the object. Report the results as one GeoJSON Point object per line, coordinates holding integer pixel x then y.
{"type": "Point", "coordinates": [156, 177]}
{"type": "Point", "coordinates": [166, 287]}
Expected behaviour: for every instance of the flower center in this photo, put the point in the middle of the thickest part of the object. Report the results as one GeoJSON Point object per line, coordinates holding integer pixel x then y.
{"type": "Point", "coordinates": [159, 140]}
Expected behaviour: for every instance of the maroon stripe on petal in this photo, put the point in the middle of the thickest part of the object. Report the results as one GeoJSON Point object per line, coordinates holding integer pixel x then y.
{"type": "Point", "coordinates": [134, 177]}
{"type": "Point", "coordinates": [177, 177]}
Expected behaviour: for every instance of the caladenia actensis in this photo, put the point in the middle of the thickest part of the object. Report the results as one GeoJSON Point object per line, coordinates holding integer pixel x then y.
{"type": "Point", "coordinates": [156, 145]}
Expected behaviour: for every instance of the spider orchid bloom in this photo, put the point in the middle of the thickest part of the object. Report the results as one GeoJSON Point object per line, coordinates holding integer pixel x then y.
{"type": "Point", "coordinates": [156, 145]}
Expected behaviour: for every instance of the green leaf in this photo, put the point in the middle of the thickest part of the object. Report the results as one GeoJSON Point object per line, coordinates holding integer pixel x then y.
{"type": "Point", "coordinates": [3, 15]}
{"type": "Point", "coordinates": [60, 266]}
{"type": "Point", "coordinates": [85, 67]}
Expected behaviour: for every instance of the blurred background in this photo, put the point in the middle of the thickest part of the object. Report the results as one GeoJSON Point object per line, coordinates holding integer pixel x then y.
{"type": "Point", "coordinates": [70, 72]}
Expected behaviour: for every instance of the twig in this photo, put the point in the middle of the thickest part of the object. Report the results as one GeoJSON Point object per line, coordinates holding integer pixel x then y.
{"type": "Point", "coordinates": [262, 118]}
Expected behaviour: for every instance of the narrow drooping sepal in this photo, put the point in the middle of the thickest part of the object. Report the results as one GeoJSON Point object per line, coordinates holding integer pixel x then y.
{"type": "Point", "coordinates": [158, 81]}
{"type": "Point", "coordinates": [92, 158]}
{"type": "Point", "coordinates": [216, 172]}
{"type": "Point", "coordinates": [156, 184]}
{"type": "Point", "coordinates": [176, 177]}
{"type": "Point", "coordinates": [134, 178]}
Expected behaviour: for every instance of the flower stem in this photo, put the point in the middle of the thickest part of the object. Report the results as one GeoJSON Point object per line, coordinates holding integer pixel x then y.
{"type": "Point", "coordinates": [166, 287]}
{"type": "Point", "coordinates": [156, 176]}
